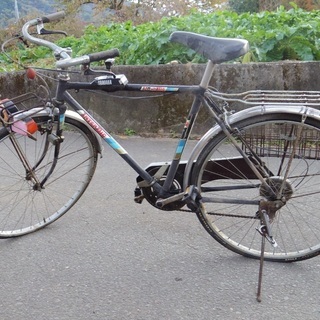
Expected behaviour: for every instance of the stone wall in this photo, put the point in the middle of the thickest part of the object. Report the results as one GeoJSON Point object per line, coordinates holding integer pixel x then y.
{"type": "Point", "coordinates": [121, 111]}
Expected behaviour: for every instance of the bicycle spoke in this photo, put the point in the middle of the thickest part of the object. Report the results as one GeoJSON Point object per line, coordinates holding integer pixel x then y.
{"type": "Point", "coordinates": [284, 147]}
{"type": "Point", "coordinates": [23, 208]}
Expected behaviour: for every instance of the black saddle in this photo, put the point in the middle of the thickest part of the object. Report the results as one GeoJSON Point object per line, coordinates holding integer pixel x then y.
{"type": "Point", "coordinates": [215, 49]}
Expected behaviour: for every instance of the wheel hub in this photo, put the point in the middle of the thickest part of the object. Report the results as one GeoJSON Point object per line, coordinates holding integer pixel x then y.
{"type": "Point", "coordinates": [276, 189]}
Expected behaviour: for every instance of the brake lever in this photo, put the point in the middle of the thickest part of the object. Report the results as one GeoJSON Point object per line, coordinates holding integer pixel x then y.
{"type": "Point", "coordinates": [43, 31]}
{"type": "Point", "coordinates": [24, 41]}
{"type": "Point", "coordinates": [87, 71]}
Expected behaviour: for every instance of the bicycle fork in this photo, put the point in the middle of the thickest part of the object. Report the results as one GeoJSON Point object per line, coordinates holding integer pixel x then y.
{"type": "Point", "coordinates": [30, 170]}
{"type": "Point", "coordinates": [51, 138]}
{"type": "Point", "coordinates": [30, 173]}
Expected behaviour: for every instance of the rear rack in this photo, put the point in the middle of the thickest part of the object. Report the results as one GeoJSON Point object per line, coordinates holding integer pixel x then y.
{"type": "Point", "coordinates": [266, 143]}
{"type": "Point", "coordinates": [271, 97]}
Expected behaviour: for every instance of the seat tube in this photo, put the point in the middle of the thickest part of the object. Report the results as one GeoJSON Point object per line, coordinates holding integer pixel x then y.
{"type": "Point", "coordinates": [188, 127]}
{"type": "Point", "coordinates": [207, 75]}
{"type": "Point", "coordinates": [182, 142]}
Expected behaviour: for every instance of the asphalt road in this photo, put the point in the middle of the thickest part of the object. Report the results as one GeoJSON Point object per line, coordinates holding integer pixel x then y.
{"type": "Point", "coordinates": [109, 258]}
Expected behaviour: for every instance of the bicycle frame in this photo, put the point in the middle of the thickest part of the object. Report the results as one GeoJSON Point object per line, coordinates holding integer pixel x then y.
{"type": "Point", "coordinates": [62, 95]}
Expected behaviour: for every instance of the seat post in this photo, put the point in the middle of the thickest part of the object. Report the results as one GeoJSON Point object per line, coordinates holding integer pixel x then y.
{"type": "Point", "coordinates": [207, 75]}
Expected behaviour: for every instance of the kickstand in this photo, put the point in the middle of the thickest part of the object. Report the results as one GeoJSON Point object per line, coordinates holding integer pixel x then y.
{"type": "Point", "coordinates": [265, 232]}
{"type": "Point", "coordinates": [263, 244]}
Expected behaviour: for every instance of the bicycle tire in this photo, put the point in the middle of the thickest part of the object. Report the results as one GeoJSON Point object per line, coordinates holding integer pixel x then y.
{"type": "Point", "coordinates": [296, 226]}
{"type": "Point", "coordinates": [22, 208]}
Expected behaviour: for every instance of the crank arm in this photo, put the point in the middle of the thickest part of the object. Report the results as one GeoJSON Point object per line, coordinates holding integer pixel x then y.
{"type": "Point", "coordinates": [190, 197]}
{"type": "Point", "coordinates": [162, 202]}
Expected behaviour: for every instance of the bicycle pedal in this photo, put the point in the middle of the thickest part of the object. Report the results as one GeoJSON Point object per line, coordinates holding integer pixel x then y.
{"type": "Point", "coordinates": [138, 196]}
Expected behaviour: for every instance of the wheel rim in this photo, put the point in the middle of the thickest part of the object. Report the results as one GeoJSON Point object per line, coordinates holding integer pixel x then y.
{"type": "Point", "coordinates": [23, 209]}
{"type": "Point", "coordinates": [295, 226]}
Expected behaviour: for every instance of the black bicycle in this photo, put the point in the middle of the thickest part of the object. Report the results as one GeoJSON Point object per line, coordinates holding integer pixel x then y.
{"type": "Point", "coordinates": [253, 175]}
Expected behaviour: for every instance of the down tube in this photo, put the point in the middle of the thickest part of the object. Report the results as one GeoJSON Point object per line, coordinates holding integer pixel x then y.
{"type": "Point", "coordinates": [108, 138]}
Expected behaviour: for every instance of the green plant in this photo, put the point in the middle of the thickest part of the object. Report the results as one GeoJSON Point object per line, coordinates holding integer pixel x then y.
{"type": "Point", "coordinates": [129, 132]}
{"type": "Point", "coordinates": [273, 36]}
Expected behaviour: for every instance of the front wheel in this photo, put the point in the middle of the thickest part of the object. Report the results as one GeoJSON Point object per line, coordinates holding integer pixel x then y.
{"type": "Point", "coordinates": [24, 206]}
{"type": "Point", "coordinates": [231, 191]}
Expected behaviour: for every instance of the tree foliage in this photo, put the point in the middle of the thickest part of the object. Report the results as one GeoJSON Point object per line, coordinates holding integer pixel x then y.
{"type": "Point", "coordinates": [74, 5]}
{"type": "Point", "coordinates": [241, 6]}
{"type": "Point", "coordinates": [25, 7]}
{"type": "Point", "coordinates": [244, 5]}
{"type": "Point", "coordinates": [139, 11]}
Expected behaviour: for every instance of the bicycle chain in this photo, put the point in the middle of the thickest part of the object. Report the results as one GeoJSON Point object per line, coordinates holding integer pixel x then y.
{"type": "Point", "coordinates": [224, 215]}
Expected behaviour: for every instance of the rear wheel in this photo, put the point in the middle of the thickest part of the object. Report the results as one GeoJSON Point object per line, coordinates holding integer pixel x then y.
{"type": "Point", "coordinates": [24, 207]}
{"type": "Point", "coordinates": [231, 191]}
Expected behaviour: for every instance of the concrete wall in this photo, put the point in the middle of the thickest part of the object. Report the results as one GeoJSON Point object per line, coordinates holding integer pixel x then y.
{"type": "Point", "coordinates": [167, 114]}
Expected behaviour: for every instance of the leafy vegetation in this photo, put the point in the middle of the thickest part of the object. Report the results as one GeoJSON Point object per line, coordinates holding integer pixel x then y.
{"type": "Point", "coordinates": [263, 5]}
{"type": "Point", "coordinates": [273, 36]}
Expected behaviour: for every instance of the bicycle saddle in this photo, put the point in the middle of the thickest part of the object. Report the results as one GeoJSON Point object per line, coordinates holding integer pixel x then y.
{"type": "Point", "coordinates": [215, 49]}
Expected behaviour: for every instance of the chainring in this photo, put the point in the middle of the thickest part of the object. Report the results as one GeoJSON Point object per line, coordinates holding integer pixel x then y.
{"type": "Point", "coordinates": [151, 196]}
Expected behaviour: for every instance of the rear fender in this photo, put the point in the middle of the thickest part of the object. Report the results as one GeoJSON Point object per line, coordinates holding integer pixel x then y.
{"type": "Point", "coordinates": [305, 112]}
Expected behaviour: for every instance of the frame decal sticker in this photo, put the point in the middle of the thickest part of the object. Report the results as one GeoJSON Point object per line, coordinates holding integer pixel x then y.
{"type": "Point", "coordinates": [159, 89]}
{"type": "Point", "coordinates": [104, 134]}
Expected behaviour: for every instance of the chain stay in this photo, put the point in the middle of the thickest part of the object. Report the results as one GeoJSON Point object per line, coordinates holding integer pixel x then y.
{"type": "Point", "coordinates": [225, 215]}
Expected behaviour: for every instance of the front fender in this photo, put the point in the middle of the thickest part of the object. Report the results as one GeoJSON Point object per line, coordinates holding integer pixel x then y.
{"type": "Point", "coordinates": [72, 115]}
{"type": "Point", "coordinates": [302, 110]}
{"type": "Point", "coordinates": [96, 138]}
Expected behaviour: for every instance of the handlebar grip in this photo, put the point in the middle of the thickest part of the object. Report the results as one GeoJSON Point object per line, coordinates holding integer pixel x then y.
{"type": "Point", "coordinates": [53, 16]}
{"type": "Point", "coordinates": [103, 55]}
{"type": "Point", "coordinates": [98, 56]}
